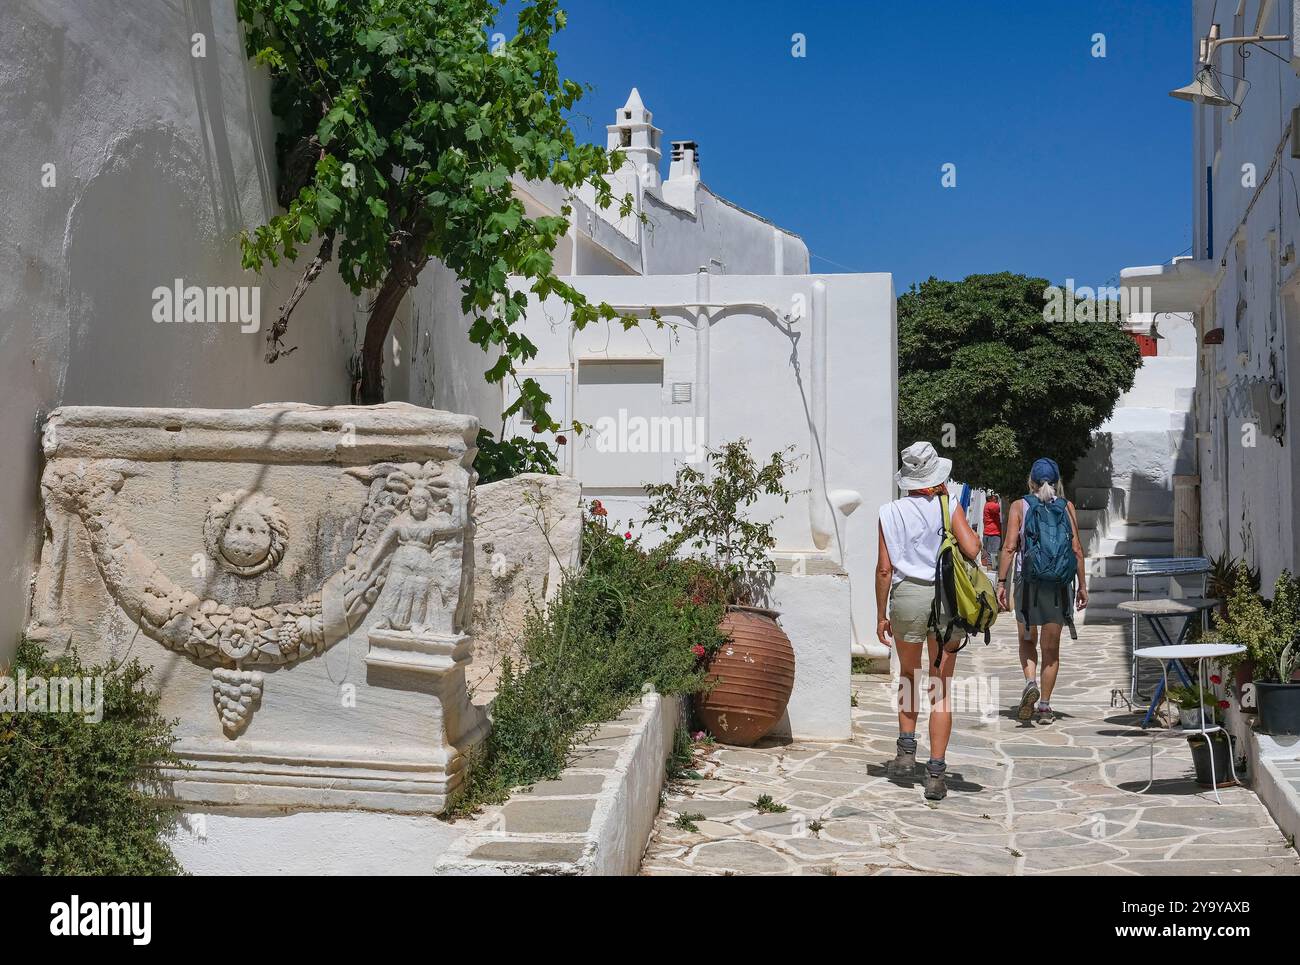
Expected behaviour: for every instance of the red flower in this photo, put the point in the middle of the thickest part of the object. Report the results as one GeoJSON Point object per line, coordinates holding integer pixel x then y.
{"type": "Point", "coordinates": [627, 535]}
{"type": "Point", "coordinates": [698, 650]}
{"type": "Point", "coordinates": [1223, 705]}
{"type": "Point", "coordinates": [597, 509]}
{"type": "Point", "coordinates": [1215, 678]}
{"type": "Point", "coordinates": [560, 440]}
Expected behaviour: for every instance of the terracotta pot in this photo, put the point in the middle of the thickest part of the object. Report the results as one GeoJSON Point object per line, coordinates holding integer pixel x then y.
{"type": "Point", "coordinates": [754, 671]}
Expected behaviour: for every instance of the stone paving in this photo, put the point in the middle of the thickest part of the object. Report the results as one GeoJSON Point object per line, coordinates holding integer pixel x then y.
{"type": "Point", "coordinates": [1023, 798]}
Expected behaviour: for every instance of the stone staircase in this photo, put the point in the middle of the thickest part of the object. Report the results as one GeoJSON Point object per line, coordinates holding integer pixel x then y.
{"type": "Point", "coordinates": [1109, 541]}
{"type": "Point", "coordinates": [1123, 488]}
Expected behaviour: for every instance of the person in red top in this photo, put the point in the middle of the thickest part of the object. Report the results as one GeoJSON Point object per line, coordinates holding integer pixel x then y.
{"type": "Point", "coordinates": [992, 529]}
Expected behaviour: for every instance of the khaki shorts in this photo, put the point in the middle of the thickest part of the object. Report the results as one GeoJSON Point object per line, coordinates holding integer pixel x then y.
{"type": "Point", "coordinates": [910, 603]}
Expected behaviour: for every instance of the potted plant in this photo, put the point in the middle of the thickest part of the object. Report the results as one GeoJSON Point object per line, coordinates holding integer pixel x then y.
{"type": "Point", "coordinates": [1222, 579]}
{"type": "Point", "coordinates": [1219, 744]}
{"type": "Point", "coordinates": [1200, 707]}
{"type": "Point", "coordinates": [1221, 584]}
{"type": "Point", "coordinates": [705, 511]}
{"type": "Point", "coordinates": [1270, 632]}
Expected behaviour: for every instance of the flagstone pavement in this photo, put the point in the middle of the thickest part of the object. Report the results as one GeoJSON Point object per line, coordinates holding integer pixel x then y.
{"type": "Point", "coordinates": [1023, 799]}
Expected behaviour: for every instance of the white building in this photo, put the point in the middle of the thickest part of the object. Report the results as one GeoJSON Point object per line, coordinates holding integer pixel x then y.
{"type": "Point", "coordinates": [754, 346]}
{"type": "Point", "coordinates": [1241, 286]}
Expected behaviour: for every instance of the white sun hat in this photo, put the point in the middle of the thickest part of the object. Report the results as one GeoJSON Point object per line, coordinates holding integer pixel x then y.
{"type": "Point", "coordinates": [922, 468]}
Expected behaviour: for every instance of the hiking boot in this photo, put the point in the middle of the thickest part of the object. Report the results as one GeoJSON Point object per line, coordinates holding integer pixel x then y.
{"type": "Point", "coordinates": [935, 787]}
{"type": "Point", "coordinates": [904, 763]}
{"type": "Point", "coordinates": [1044, 714]}
{"type": "Point", "coordinates": [1028, 698]}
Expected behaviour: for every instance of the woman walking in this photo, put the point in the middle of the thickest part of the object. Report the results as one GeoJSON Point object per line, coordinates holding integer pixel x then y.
{"type": "Point", "coordinates": [911, 532]}
{"type": "Point", "coordinates": [1042, 537]}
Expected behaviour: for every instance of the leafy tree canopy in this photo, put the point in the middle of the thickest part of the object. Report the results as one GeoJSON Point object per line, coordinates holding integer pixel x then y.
{"type": "Point", "coordinates": [979, 355]}
{"type": "Point", "coordinates": [402, 123]}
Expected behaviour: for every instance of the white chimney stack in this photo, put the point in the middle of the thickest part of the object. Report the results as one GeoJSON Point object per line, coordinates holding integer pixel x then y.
{"type": "Point", "coordinates": [685, 162]}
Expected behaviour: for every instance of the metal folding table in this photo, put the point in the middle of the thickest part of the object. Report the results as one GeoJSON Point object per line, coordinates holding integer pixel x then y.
{"type": "Point", "coordinates": [1199, 652]}
{"type": "Point", "coordinates": [1155, 611]}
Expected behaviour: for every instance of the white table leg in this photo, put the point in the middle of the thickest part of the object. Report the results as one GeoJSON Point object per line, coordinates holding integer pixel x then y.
{"type": "Point", "coordinates": [1151, 758]}
{"type": "Point", "coordinates": [1205, 734]}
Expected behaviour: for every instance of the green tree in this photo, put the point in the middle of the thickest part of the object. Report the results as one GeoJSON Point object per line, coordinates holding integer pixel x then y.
{"type": "Point", "coordinates": [981, 356]}
{"type": "Point", "coordinates": [402, 123]}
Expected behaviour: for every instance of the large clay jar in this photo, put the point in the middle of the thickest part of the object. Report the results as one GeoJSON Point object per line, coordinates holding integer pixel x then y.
{"type": "Point", "coordinates": [754, 673]}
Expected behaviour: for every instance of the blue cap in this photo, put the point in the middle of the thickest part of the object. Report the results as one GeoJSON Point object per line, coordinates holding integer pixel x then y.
{"type": "Point", "coordinates": [1045, 471]}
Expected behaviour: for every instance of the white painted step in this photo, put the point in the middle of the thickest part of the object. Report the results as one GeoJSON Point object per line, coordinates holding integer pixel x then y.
{"type": "Point", "coordinates": [1094, 614]}
{"type": "Point", "coordinates": [1124, 505]}
{"type": "Point", "coordinates": [1106, 566]}
{"type": "Point", "coordinates": [1133, 547]}
{"type": "Point", "coordinates": [1097, 584]}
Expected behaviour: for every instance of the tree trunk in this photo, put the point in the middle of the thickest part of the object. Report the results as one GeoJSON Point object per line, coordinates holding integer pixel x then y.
{"type": "Point", "coordinates": [396, 283]}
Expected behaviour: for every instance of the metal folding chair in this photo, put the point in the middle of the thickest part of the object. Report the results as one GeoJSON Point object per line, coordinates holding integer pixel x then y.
{"type": "Point", "coordinates": [1164, 566]}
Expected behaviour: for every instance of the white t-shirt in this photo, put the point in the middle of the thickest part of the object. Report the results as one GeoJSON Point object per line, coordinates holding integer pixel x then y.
{"type": "Point", "coordinates": [913, 528]}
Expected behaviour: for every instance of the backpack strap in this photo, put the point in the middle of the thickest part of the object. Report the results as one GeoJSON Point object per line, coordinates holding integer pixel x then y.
{"type": "Point", "coordinates": [984, 605]}
{"type": "Point", "coordinates": [943, 642]}
{"type": "Point", "coordinates": [1067, 601]}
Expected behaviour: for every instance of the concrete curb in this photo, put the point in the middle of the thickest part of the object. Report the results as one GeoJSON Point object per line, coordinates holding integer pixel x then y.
{"type": "Point", "coordinates": [1279, 796]}
{"type": "Point", "coordinates": [1268, 759]}
{"type": "Point", "coordinates": [594, 820]}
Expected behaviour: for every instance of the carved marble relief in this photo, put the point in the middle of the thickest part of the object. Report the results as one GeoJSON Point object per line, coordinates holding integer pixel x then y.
{"type": "Point", "coordinates": [407, 558]}
{"type": "Point", "coordinates": [245, 532]}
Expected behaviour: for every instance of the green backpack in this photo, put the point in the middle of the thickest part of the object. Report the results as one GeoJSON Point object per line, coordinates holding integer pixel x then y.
{"type": "Point", "coordinates": [964, 598]}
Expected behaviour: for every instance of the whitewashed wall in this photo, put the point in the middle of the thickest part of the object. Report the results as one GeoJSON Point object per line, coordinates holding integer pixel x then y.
{"type": "Point", "coordinates": [761, 386]}
{"type": "Point", "coordinates": [161, 158]}
{"type": "Point", "coordinates": [1249, 494]}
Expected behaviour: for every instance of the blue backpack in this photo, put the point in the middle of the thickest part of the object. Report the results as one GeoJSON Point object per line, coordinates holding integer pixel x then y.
{"type": "Point", "coordinates": [1048, 563]}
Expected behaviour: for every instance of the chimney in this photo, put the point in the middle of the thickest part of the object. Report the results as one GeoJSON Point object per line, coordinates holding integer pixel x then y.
{"type": "Point", "coordinates": [685, 161]}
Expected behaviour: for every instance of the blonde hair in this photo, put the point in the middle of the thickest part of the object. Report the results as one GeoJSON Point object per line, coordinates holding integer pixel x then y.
{"type": "Point", "coordinates": [1045, 491]}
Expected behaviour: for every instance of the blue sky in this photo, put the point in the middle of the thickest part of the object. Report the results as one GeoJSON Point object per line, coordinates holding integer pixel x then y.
{"type": "Point", "coordinates": [1067, 165]}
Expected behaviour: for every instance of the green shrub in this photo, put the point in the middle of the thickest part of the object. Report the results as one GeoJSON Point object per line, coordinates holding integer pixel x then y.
{"type": "Point", "coordinates": [80, 797]}
{"type": "Point", "coordinates": [628, 616]}
{"type": "Point", "coordinates": [511, 457]}
{"type": "Point", "coordinates": [705, 509]}
{"type": "Point", "coordinates": [1268, 629]}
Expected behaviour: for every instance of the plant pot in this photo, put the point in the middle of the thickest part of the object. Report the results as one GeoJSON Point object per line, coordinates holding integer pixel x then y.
{"type": "Point", "coordinates": [1278, 707]}
{"type": "Point", "coordinates": [1201, 746]}
{"type": "Point", "coordinates": [1190, 717]}
{"type": "Point", "coordinates": [754, 674]}
{"type": "Point", "coordinates": [1244, 677]}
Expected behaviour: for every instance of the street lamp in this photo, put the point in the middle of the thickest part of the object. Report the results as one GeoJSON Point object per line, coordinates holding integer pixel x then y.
{"type": "Point", "coordinates": [1205, 88]}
